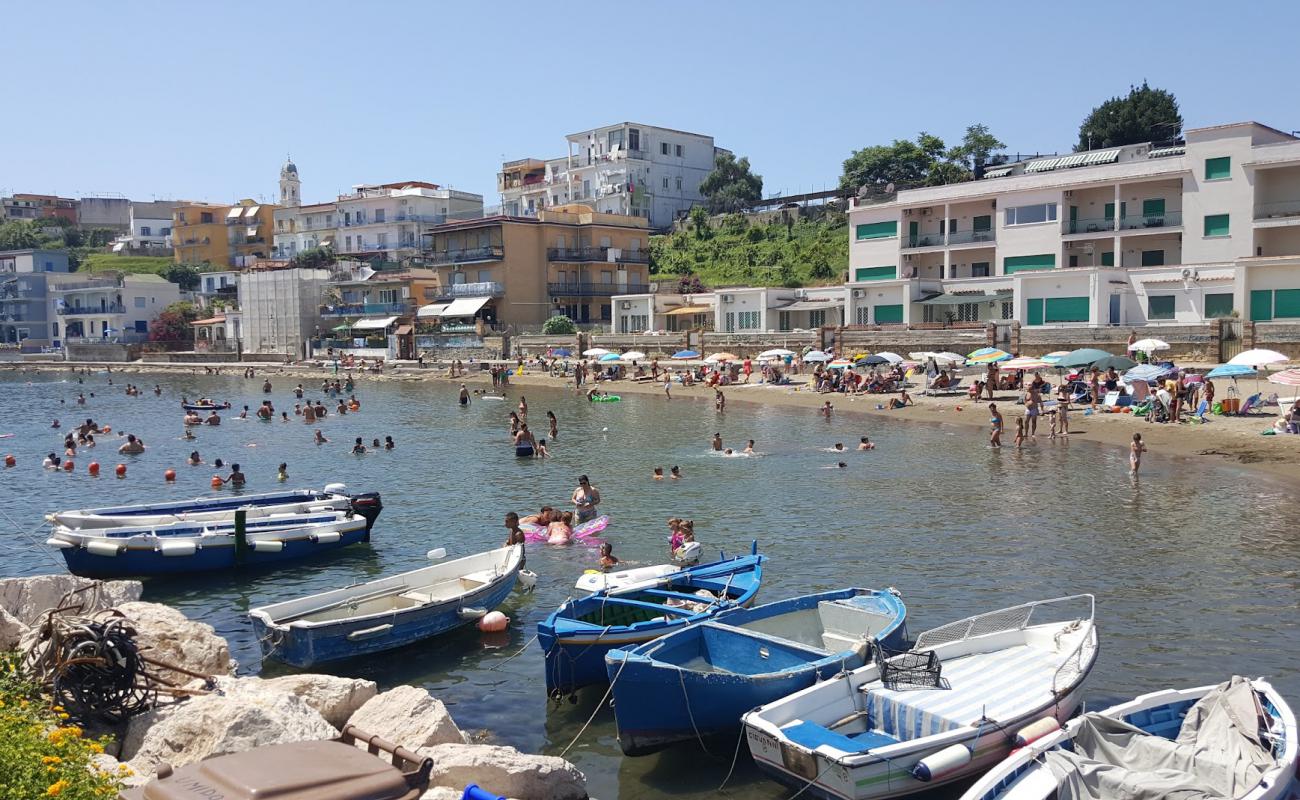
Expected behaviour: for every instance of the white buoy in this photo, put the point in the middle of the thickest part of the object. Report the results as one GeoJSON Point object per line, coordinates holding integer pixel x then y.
{"type": "Point", "coordinates": [436, 553]}
{"type": "Point", "coordinates": [945, 762]}
{"type": "Point", "coordinates": [527, 580]}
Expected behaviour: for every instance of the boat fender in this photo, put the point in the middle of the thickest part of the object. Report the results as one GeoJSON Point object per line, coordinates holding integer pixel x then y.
{"type": "Point", "coordinates": [946, 761]}
{"type": "Point", "coordinates": [492, 622]}
{"type": "Point", "coordinates": [336, 488]}
{"type": "Point", "coordinates": [469, 612]}
{"type": "Point", "coordinates": [1036, 730]}
{"type": "Point", "coordinates": [473, 792]}
{"type": "Point", "coordinates": [267, 545]}
{"type": "Point", "coordinates": [99, 548]}
{"type": "Point", "coordinates": [326, 537]}
{"type": "Point", "coordinates": [527, 580]}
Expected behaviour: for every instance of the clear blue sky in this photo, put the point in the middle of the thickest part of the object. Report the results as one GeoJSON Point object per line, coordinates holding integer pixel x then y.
{"type": "Point", "coordinates": [182, 100]}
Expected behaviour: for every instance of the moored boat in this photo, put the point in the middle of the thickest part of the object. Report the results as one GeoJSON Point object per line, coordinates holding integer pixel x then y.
{"type": "Point", "coordinates": [595, 580]}
{"type": "Point", "coordinates": [576, 636]}
{"type": "Point", "coordinates": [1237, 739]}
{"type": "Point", "coordinates": [697, 682]}
{"type": "Point", "coordinates": [334, 497]}
{"type": "Point", "coordinates": [386, 613]}
{"type": "Point", "coordinates": [948, 709]}
{"type": "Point", "coordinates": [205, 406]}
{"type": "Point", "coordinates": [185, 547]}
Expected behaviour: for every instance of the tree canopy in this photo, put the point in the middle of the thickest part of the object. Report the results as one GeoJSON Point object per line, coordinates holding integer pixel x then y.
{"type": "Point", "coordinates": [175, 323]}
{"type": "Point", "coordinates": [185, 276]}
{"type": "Point", "coordinates": [19, 235]}
{"type": "Point", "coordinates": [1145, 115]}
{"type": "Point", "coordinates": [559, 324]}
{"type": "Point", "coordinates": [731, 186]}
{"type": "Point", "coordinates": [313, 258]}
{"type": "Point", "coordinates": [926, 161]}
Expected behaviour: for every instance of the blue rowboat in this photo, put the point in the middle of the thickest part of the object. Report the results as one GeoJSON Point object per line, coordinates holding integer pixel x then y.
{"type": "Point", "coordinates": [386, 613]}
{"type": "Point", "coordinates": [1198, 747]}
{"type": "Point", "coordinates": [334, 497]}
{"type": "Point", "coordinates": [698, 681]}
{"type": "Point", "coordinates": [187, 547]}
{"type": "Point", "coordinates": [576, 636]}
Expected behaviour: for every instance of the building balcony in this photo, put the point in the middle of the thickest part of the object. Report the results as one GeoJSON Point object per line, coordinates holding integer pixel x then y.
{"type": "Point", "coordinates": [110, 308]}
{"type": "Point", "coordinates": [467, 256]}
{"type": "Point", "coordinates": [365, 309]}
{"type": "Point", "coordinates": [1085, 226]}
{"type": "Point", "coordinates": [476, 289]}
{"type": "Point", "coordinates": [100, 284]}
{"type": "Point", "coordinates": [1270, 211]}
{"type": "Point", "coordinates": [923, 240]}
{"type": "Point", "coordinates": [1138, 222]}
{"type": "Point", "coordinates": [588, 289]}
{"type": "Point", "coordinates": [972, 237]}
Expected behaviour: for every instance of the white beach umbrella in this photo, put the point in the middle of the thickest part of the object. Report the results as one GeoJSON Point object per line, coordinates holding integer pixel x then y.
{"type": "Point", "coordinates": [1148, 345]}
{"type": "Point", "coordinates": [595, 351]}
{"type": "Point", "coordinates": [1258, 358]}
{"type": "Point", "coordinates": [778, 352]}
{"type": "Point", "coordinates": [633, 355]}
{"type": "Point", "coordinates": [816, 355]}
{"type": "Point", "coordinates": [892, 358]}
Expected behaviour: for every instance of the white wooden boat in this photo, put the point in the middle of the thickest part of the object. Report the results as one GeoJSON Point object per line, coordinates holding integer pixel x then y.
{"type": "Point", "coordinates": [334, 497]}
{"type": "Point", "coordinates": [386, 613]}
{"type": "Point", "coordinates": [857, 736]}
{"type": "Point", "coordinates": [1237, 739]}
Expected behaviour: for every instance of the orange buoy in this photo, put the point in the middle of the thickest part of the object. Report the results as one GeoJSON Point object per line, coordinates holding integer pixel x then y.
{"type": "Point", "coordinates": [10, 460]}
{"type": "Point", "coordinates": [120, 469]}
{"type": "Point", "coordinates": [68, 466]}
{"type": "Point", "coordinates": [93, 468]}
{"type": "Point", "coordinates": [493, 622]}
{"type": "Point", "coordinates": [169, 475]}
{"type": "Point", "coordinates": [217, 482]}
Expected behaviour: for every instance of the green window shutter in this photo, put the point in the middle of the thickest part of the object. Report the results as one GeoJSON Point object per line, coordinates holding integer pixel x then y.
{"type": "Point", "coordinates": [1035, 308]}
{"type": "Point", "coordinates": [1160, 306]}
{"type": "Point", "coordinates": [1153, 258]}
{"type": "Point", "coordinates": [1218, 305]}
{"type": "Point", "coordinates": [1065, 309]}
{"type": "Point", "coordinates": [1110, 211]}
{"type": "Point", "coordinates": [1218, 168]}
{"type": "Point", "coordinates": [1286, 303]}
{"type": "Point", "coordinates": [877, 230]}
{"type": "Point", "coordinates": [1013, 264]}
{"type": "Point", "coordinates": [886, 315]}
{"type": "Point", "coordinates": [875, 273]}
{"type": "Point", "coordinates": [1216, 225]}
{"type": "Point", "coordinates": [1108, 259]}
{"type": "Point", "coordinates": [1154, 207]}
{"type": "Point", "coordinates": [1261, 305]}
{"type": "Point", "coordinates": [984, 223]}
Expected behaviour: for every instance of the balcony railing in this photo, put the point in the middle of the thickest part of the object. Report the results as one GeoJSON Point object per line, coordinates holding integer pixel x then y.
{"type": "Point", "coordinates": [1169, 219]}
{"type": "Point", "coordinates": [492, 253]}
{"type": "Point", "coordinates": [476, 289]}
{"type": "Point", "coordinates": [110, 308]}
{"type": "Point", "coordinates": [1277, 210]}
{"type": "Point", "coordinates": [969, 237]}
{"type": "Point", "coordinates": [923, 240]}
{"type": "Point", "coordinates": [587, 289]}
{"type": "Point", "coordinates": [102, 283]}
{"type": "Point", "coordinates": [1093, 225]}
{"type": "Point", "coordinates": [360, 309]}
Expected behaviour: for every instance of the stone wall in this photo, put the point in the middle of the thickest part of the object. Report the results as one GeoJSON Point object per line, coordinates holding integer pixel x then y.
{"type": "Point", "coordinates": [903, 339]}
{"type": "Point", "coordinates": [196, 357]}
{"type": "Point", "coordinates": [1186, 342]}
{"type": "Point", "coordinates": [1283, 337]}
{"type": "Point", "coordinates": [102, 351]}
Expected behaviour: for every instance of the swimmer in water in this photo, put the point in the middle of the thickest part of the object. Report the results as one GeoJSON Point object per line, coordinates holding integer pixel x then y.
{"type": "Point", "coordinates": [560, 531]}
{"type": "Point", "coordinates": [236, 478]}
{"type": "Point", "coordinates": [464, 395]}
{"type": "Point", "coordinates": [244, 414]}
{"type": "Point", "coordinates": [839, 447]}
{"type": "Point", "coordinates": [749, 447]}
{"type": "Point", "coordinates": [607, 559]}
{"type": "Point", "coordinates": [659, 473]}
{"type": "Point", "coordinates": [728, 452]}
{"type": "Point", "coordinates": [194, 460]}
{"type": "Point", "coordinates": [555, 424]}
{"type": "Point", "coordinates": [827, 409]}
{"type": "Point", "coordinates": [51, 461]}
{"type": "Point", "coordinates": [284, 416]}
{"type": "Point", "coordinates": [54, 424]}
{"type": "Point", "coordinates": [542, 517]}
{"type": "Point", "coordinates": [841, 465]}
{"type": "Point", "coordinates": [675, 473]}
{"type": "Point", "coordinates": [542, 452]}
{"type": "Point", "coordinates": [283, 473]}
{"type": "Point", "coordinates": [218, 463]}
{"type": "Point", "coordinates": [514, 534]}
{"type": "Point", "coordinates": [389, 444]}
{"type": "Point", "coordinates": [866, 444]}
{"type": "Point", "coordinates": [320, 437]}
{"type": "Point", "coordinates": [717, 441]}
{"type": "Point", "coordinates": [359, 448]}
{"type": "Point", "coordinates": [374, 445]}
{"type": "Point", "coordinates": [189, 435]}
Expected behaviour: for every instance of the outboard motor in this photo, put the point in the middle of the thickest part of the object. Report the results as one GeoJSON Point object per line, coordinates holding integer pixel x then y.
{"type": "Point", "coordinates": [368, 505]}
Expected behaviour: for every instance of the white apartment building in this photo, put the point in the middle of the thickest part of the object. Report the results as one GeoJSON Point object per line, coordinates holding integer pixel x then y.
{"type": "Point", "coordinates": [626, 168]}
{"type": "Point", "coordinates": [150, 227]}
{"type": "Point", "coordinates": [1124, 236]}
{"type": "Point", "coordinates": [113, 308]}
{"type": "Point", "coordinates": [731, 310]}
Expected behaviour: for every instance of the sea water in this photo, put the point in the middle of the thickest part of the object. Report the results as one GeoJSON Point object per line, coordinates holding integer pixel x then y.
{"type": "Point", "coordinates": [1196, 564]}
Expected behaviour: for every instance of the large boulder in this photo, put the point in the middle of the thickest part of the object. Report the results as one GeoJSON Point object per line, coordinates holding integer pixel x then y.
{"type": "Point", "coordinates": [506, 771]}
{"type": "Point", "coordinates": [27, 599]}
{"type": "Point", "coordinates": [335, 698]}
{"type": "Point", "coordinates": [246, 713]}
{"type": "Point", "coordinates": [11, 630]}
{"type": "Point", "coordinates": [408, 716]}
{"type": "Point", "coordinates": [172, 637]}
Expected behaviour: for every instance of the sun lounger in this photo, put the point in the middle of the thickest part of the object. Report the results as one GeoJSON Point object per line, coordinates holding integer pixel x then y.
{"type": "Point", "coordinates": [1250, 405]}
{"type": "Point", "coordinates": [953, 387]}
{"type": "Point", "coordinates": [1198, 418]}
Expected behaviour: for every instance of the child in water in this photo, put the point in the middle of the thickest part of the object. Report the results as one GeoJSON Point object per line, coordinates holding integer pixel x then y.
{"type": "Point", "coordinates": [607, 559]}
{"type": "Point", "coordinates": [542, 452]}
{"type": "Point", "coordinates": [659, 473]}
{"type": "Point", "coordinates": [283, 473]}
{"type": "Point", "coordinates": [561, 530]}
{"type": "Point", "coordinates": [675, 473]}
{"type": "Point", "coordinates": [1135, 451]}
{"type": "Point", "coordinates": [1020, 432]}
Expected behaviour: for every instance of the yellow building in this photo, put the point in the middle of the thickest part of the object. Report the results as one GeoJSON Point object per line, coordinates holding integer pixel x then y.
{"type": "Point", "coordinates": [226, 235]}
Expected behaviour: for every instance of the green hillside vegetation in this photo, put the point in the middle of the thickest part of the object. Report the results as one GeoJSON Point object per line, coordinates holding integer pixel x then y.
{"type": "Point", "coordinates": [733, 251]}
{"type": "Point", "coordinates": [100, 262]}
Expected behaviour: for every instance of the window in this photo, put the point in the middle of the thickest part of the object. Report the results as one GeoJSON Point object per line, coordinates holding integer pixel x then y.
{"type": "Point", "coordinates": [1008, 309]}
{"type": "Point", "coordinates": [875, 273]}
{"type": "Point", "coordinates": [141, 326]}
{"type": "Point", "coordinates": [606, 312]}
{"type": "Point", "coordinates": [952, 226]}
{"type": "Point", "coordinates": [1029, 215]}
{"type": "Point", "coordinates": [679, 183]}
{"type": "Point", "coordinates": [1074, 261]}
{"type": "Point", "coordinates": [876, 230]}
{"type": "Point", "coordinates": [604, 241]}
{"type": "Point", "coordinates": [205, 218]}
{"type": "Point", "coordinates": [980, 269]}
{"type": "Point", "coordinates": [165, 232]}
{"type": "Point", "coordinates": [730, 321]}
{"type": "Point", "coordinates": [783, 321]}
{"type": "Point", "coordinates": [1153, 258]}
{"type": "Point", "coordinates": [383, 239]}
{"type": "Point", "coordinates": [1108, 259]}
{"type": "Point", "coordinates": [889, 314]}
{"type": "Point", "coordinates": [665, 182]}
{"type": "Point", "coordinates": [1160, 306]}
{"type": "Point", "coordinates": [606, 277]}
{"type": "Point", "coordinates": [1216, 225]}
{"type": "Point", "coordinates": [1155, 207]}
{"type": "Point", "coordinates": [139, 302]}
{"type": "Point", "coordinates": [586, 188]}
{"type": "Point", "coordinates": [633, 138]}
{"type": "Point", "coordinates": [663, 148]}
{"type": "Point", "coordinates": [1218, 305]}
{"type": "Point", "coordinates": [1217, 169]}
{"type": "Point", "coordinates": [1065, 309]}
{"type": "Point", "coordinates": [681, 151]}
{"type": "Point", "coordinates": [1013, 264]}
{"type": "Point", "coordinates": [347, 244]}
{"type": "Point", "coordinates": [347, 217]}
{"type": "Point", "coordinates": [379, 215]}
{"type": "Point", "coordinates": [749, 320]}
{"type": "Point", "coordinates": [817, 319]}
{"type": "Point", "coordinates": [1268, 304]}
{"type": "Point", "coordinates": [982, 224]}
{"type": "Point", "coordinates": [145, 230]}
{"type": "Point", "coordinates": [388, 295]}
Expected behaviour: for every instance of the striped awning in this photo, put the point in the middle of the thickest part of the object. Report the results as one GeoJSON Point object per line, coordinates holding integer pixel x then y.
{"type": "Point", "coordinates": [1162, 152]}
{"type": "Point", "coordinates": [374, 323]}
{"type": "Point", "coordinates": [431, 310]}
{"type": "Point", "coordinates": [998, 172]}
{"type": "Point", "coordinates": [957, 299]}
{"type": "Point", "coordinates": [685, 310]}
{"type": "Point", "coordinates": [1087, 159]}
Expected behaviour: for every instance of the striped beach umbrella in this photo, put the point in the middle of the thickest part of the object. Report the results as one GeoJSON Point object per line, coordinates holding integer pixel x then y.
{"type": "Point", "coordinates": [987, 355]}
{"type": "Point", "coordinates": [1287, 377]}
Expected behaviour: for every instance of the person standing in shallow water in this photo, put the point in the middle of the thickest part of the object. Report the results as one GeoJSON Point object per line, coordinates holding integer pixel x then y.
{"type": "Point", "coordinates": [585, 499]}
{"type": "Point", "coordinates": [995, 426]}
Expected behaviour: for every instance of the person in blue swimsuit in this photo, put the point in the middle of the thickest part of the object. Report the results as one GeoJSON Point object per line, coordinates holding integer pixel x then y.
{"type": "Point", "coordinates": [995, 423]}
{"type": "Point", "coordinates": [585, 499]}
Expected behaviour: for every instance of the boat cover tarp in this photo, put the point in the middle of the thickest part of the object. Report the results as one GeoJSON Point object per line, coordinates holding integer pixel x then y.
{"type": "Point", "coordinates": [1219, 753]}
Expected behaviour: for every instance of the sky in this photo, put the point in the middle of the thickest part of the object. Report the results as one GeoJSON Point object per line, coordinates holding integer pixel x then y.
{"type": "Point", "coordinates": [156, 100]}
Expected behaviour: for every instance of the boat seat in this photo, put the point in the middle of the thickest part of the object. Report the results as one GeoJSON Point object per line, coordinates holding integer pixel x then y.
{"type": "Point", "coordinates": [844, 624]}
{"type": "Point", "coordinates": [811, 735]}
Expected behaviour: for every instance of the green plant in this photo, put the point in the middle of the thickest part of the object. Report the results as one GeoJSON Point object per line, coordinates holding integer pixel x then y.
{"type": "Point", "coordinates": [559, 324]}
{"type": "Point", "coordinates": [42, 755]}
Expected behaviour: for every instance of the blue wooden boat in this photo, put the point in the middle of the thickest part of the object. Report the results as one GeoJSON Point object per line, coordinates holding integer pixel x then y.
{"type": "Point", "coordinates": [576, 636]}
{"type": "Point", "coordinates": [222, 507]}
{"type": "Point", "coordinates": [186, 547]}
{"type": "Point", "coordinates": [386, 613]}
{"type": "Point", "coordinates": [697, 682]}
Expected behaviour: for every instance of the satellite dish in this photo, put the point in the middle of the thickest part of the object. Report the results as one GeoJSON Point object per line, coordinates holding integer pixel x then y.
{"type": "Point", "coordinates": [890, 188]}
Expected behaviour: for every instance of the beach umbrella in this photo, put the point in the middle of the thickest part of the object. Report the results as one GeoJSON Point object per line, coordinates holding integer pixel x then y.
{"type": "Point", "coordinates": [1083, 357]}
{"type": "Point", "coordinates": [1115, 362]}
{"type": "Point", "coordinates": [1231, 371]}
{"type": "Point", "coordinates": [870, 361]}
{"type": "Point", "coordinates": [1055, 358]}
{"type": "Point", "coordinates": [685, 354]}
{"type": "Point", "coordinates": [561, 352]}
{"type": "Point", "coordinates": [987, 355]}
{"type": "Point", "coordinates": [892, 358]}
{"type": "Point", "coordinates": [1287, 377]}
{"type": "Point", "coordinates": [1147, 372]}
{"type": "Point", "coordinates": [1258, 358]}
{"type": "Point", "coordinates": [778, 352]}
{"type": "Point", "coordinates": [816, 355]}
{"type": "Point", "coordinates": [595, 351]}
{"type": "Point", "coordinates": [840, 363]}
{"type": "Point", "coordinates": [723, 356]}
{"type": "Point", "coordinates": [1148, 345]}
{"type": "Point", "coordinates": [1024, 362]}
{"type": "Point", "coordinates": [633, 355]}
{"type": "Point", "coordinates": [610, 357]}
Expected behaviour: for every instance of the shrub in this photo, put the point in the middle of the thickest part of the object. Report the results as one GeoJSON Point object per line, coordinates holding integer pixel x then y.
{"type": "Point", "coordinates": [43, 755]}
{"type": "Point", "coordinates": [559, 324]}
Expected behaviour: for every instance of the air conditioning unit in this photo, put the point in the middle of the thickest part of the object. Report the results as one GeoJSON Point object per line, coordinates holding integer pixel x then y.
{"type": "Point", "coordinates": [801, 294]}
{"type": "Point", "coordinates": [907, 212]}
{"type": "Point", "coordinates": [405, 201]}
{"type": "Point", "coordinates": [925, 212]}
{"type": "Point", "coordinates": [1188, 274]}
{"type": "Point", "coordinates": [1069, 194]}
{"type": "Point", "coordinates": [626, 305]}
{"type": "Point", "coordinates": [859, 293]}
{"type": "Point", "coordinates": [908, 258]}
{"type": "Point", "coordinates": [727, 298]}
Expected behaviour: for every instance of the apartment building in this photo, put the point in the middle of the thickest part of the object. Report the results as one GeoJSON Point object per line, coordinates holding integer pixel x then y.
{"type": "Point", "coordinates": [149, 228]}
{"type": "Point", "coordinates": [628, 169]}
{"type": "Point", "coordinates": [388, 221]}
{"type": "Point", "coordinates": [227, 235]}
{"type": "Point", "coordinates": [1133, 235]}
{"type": "Point", "coordinates": [26, 316]}
{"type": "Point", "coordinates": [113, 213]}
{"type": "Point", "coordinates": [744, 309]}
{"type": "Point", "coordinates": [22, 206]}
{"type": "Point", "coordinates": [108, 307]}
{"type": "Point", "coordinates": [519, 271]}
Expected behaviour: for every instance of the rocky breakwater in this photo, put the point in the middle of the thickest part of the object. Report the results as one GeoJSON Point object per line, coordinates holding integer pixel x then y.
{"type": "Point", "coordinates": [235, 714]}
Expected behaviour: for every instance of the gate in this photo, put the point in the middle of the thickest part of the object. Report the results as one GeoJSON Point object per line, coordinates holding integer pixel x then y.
{"type": "Point", "coordinates": [1229, 339]}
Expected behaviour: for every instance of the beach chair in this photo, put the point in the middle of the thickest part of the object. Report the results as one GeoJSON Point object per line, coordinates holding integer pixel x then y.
{"type": "Point", "coordinates": [1198, 418]}
{"type": "Point", "coordinates": [1250, 405]}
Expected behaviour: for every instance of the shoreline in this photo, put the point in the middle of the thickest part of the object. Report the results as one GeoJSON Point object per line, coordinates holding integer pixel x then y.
{"type": "Point", "coordinates": [1235, 440]}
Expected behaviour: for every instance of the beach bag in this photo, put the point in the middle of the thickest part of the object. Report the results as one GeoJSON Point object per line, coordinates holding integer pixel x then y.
{"type": "Point", "coordinates": [1217, 409]}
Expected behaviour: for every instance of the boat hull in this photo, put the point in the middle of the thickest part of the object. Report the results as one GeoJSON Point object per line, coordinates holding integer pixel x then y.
{"type": "Point", "coordinates": [212, 508]}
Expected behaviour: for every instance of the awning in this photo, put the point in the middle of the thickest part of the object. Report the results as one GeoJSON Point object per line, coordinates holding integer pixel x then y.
{"type": "Point", "coordinates": [811, 305]}
{"type": "Point", "coordinates": [1164, 152]}
{"type": "Point", "coordinates": [465, 306]}
{"type": "Point", "coordinates": [373, 323]}
{"type": "Point", "coordinates": [431, 310]}
{"type": "Point", "coordinates": [998, 172]}
{"type": "Point", "coordinates": [685, 310]}
{"type": "Point", "coordinates": [117, 248]}
{"type": "Point", "coordinates": [402, 330]}
{"type": "Point", "coordinates": [251, 211]}
{"type": "Point", "coordinates": [327, 243]}
{"type": "Point", "coordinates": [959, 299]}
{"type": "Point", "coordinates": [234, 212]}
{"type": "Point", "coordinates": [209, 321]}
{"type": "Point", "coordinates": [1077, 160]}
{"type": "Point", "coordinates": [252, 230]}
